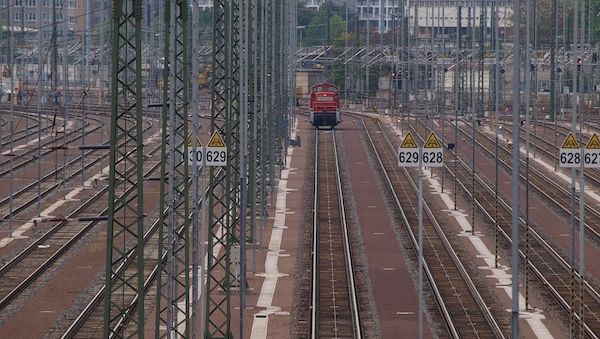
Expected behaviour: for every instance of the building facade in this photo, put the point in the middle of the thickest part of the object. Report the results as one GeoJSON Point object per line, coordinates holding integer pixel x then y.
{"type": "Point", "coordinates": [25, 14]}
{"type": "Point", "coordinates": [436, 14]}
{"type": "Point", "coordinates": [315, 4]}
{"type": "Point", "coordinates": [205, 4]}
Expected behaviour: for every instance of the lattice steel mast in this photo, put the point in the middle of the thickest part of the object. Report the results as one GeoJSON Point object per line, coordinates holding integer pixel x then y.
{"type": "Point", "coordinates": [173, 297]}
{"type": "Point", "coordinates": [125, 217]}
{"type": "Point", "coordinates": [221, 231]}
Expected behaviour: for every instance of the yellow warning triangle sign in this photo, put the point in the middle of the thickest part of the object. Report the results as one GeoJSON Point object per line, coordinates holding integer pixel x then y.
{"type": "Point", "coordinates": [216, 140]}
{"type": "Point", "coordinates": [594, 142]}
{"type": "Point", "coordinates": [409, 142]}
{"type": "Point", "coordinates": [189, 141]}
{"type": "Point", "coordinates": [432, 141]}
{"type": "Point", "coordinates": [570, 142]}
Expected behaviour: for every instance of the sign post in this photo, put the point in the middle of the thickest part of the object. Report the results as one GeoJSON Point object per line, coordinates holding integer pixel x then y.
{"type": "Point", "coordinates": [411, 155]}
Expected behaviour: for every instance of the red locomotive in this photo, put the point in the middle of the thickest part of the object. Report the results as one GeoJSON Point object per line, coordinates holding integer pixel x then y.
{"type": "Point", "coordinates": [325, 109]}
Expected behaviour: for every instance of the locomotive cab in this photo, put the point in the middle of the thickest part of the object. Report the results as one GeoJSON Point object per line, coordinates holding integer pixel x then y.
{"type": "Point", "coordinates": [325, 105]}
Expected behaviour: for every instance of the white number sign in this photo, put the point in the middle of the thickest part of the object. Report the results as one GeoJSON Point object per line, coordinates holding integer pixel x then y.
{"type": "Point", "coordinates": [591, 158]}
{"type": "Point", "coordinates": [570, 158]}
{"type": "Point", "coordinates": [409, 157]}
{"type": "Point", "coordinates": [216, 156]}
{"type": "Point", "coordinates": [433, 157]}
{"type": "Point", "coordinates": [196, 154]}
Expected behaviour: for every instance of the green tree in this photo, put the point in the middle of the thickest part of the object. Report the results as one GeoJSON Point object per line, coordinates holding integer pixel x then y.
{"type": "Point", "coordinates": [315, 22]}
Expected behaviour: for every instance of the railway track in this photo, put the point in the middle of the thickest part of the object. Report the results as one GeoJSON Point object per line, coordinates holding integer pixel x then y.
{"type": "Point", "coordinates": [334, 307]}
{"type": "Point", "coordinates": [545, 263]}
{"type": "Point", "coordinates": [552, 191]}
{"type": "Point", "coordinates": [20, 159]}
{"type": "Point", "coordinates": [90, 322]}
{"type": "Point", "coordinates": [27, 195]}
{"type": "Point", "coordinates": [24, 133]}
{"type": "Point", "coordinates": [464, 310]}
{"type": "Point", "coordinates": [550, 151]}
{"type": "Point", "coordinates": [28, 265]}
{"type": "Point", "coordinates": [49, 146]}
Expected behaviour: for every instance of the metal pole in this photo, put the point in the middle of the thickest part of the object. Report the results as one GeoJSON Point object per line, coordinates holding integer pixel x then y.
{"type": "Point", "coordinates": [22, 72]}
{"type": "Point", "coordinates": [421, 301]}
{"type": "Point", "coordinates": [581, 245]}
{"type": "Point", "coordinates": [65, 89]}
{"type": "Point", "coordinates": [11, 119]}
{"type": "Point", "coordinates": [256, 69]}
{"type": "Point", "coordinates": [41, 79]}
{"type": "Point", "coordinates": [471, 29]}
{"type": "Point", "coordinates": [265, 106]}
{"type": "Point", "coordinates": [497, 115]}
{"type": "Point", "coordinates": [574, 103]}
{"type": "Point", "coordinates": [367, 65]}
{"type": "Point", "coordinates": [443, 86]}
{"type": "Point", "coordinates": [573, 170]}
{"type": "Point", "coordinates": [515, 169]}
{"type": "Point", "coordinates": [87, 82]}
{"type": "Point", "coordinates": [54, 60]}
{"type": "Point", "coordinates": [203, 254]}
{"type": "Point", "coordinates": [243, 128]}
{"type": "Point", "coordinates": [345, 63]}
{"type": "Point", "coordinates": [428, 69]}
{"type": "Point", "coordinates": [457, 98]}
{"type": "Point", "coordinates": [527, 74]}
{"type": "Point", "coordinates": [195, 111]}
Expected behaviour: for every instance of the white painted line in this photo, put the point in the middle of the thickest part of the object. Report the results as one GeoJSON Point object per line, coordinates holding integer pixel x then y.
{"type": "Point", "coordinates": [261, 320]}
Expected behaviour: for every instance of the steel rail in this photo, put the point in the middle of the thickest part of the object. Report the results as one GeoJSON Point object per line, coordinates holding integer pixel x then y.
{"type": "Point", "coordinates": [315, 242]}
{"type": "Point", "coordinates": [348, 264]}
